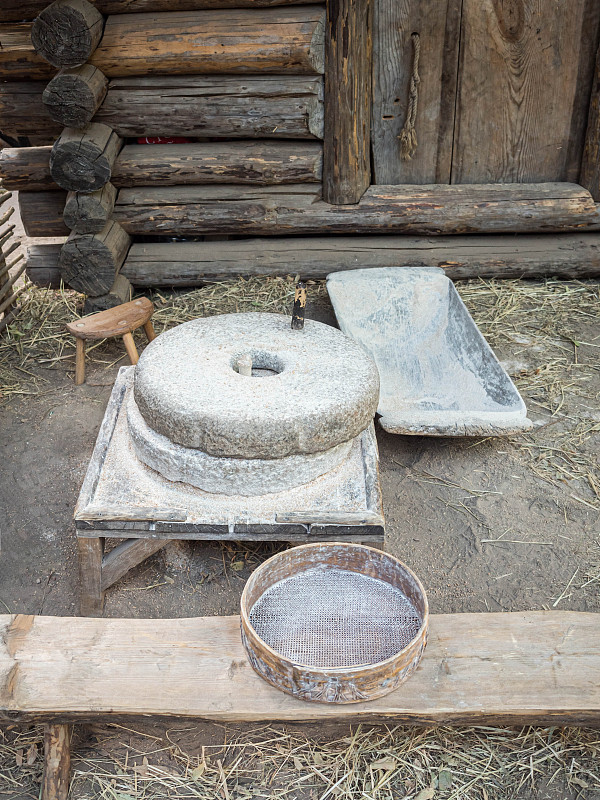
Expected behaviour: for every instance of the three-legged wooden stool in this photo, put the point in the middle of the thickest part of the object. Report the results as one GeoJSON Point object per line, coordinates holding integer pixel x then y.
{"type": "Point", "coordinates": [119, 321]}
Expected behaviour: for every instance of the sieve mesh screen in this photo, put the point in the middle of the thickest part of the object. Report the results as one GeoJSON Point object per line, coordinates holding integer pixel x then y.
{"type": "Point", "coordinates": [334, 618]}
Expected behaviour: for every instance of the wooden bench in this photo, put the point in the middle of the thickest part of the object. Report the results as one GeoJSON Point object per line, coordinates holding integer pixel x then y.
{"type": "Point", "coordinates": [118, 321]}
{"type": "Point", "coordinates": [532, 668]}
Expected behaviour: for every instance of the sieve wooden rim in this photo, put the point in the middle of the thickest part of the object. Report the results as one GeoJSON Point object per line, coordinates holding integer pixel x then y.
{"type": "Point", "coordinates": [251, 633]}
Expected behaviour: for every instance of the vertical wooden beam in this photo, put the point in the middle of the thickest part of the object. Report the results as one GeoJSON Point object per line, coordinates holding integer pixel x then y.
{"type": "Point", "coordinates": [346, 153]}
{"type": "Point", "coordinates": [90, 575]}
{"type": "Point", "coordinates": [57, 762]}
{"type": "Point", "coordinates": [589, 176]}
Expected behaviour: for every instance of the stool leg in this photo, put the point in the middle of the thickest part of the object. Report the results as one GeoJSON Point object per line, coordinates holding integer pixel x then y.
{"type": "Point", "coordinates": [79, 362]}
{"type": "Point", "coordinates": [149, 330]}
{"type": "Point", "coordinates": [130, 347]}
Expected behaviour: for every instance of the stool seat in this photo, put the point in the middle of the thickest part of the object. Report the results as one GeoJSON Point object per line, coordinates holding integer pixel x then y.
{"type": "Point", "coordinates": [118, 321]}
{"type": "Point", "coordinates": [114, 321]}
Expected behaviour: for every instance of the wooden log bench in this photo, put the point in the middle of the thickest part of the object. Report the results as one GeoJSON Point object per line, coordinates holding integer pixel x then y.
{"type": "Point", "coordinates": [522, 668]}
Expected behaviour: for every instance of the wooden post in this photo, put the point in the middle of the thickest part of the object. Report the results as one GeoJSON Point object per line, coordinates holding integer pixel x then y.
{"type": "Point", "coordinates": [346, 154]}
{"type": "Point", "coordinates": [74, 95]}
{"type": "Point", "coordinates": [89, 213]}
{"type": "Point", "coordinates": [57, 762]}
{"type": "Point", "coordinates": [90, 575]}
{"type": "Point", "coordinates": [82, 161]}
{"type": "Point", "coordinates": [299, 306]}
{"type": "Point", "coordinates": [89, 263]}
{"type": "Point", "coordinates": [67, 32]}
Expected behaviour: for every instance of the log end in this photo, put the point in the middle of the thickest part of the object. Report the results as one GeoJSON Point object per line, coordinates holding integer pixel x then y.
{"type": "Point", "coordinates": [67, 32]}
{"type": "Point", "coordinates": [82, 161]}
{"type": "Point", "coordinates": [74, 95]}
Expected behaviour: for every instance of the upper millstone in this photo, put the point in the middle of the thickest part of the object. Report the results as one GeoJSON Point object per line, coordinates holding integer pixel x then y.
{"type": "Point", "coordinates": [312, 389]}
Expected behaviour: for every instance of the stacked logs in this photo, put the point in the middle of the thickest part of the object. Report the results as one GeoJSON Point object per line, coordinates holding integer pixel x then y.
{"type": "Point", "coordinates": [88, 162]}
{"type": "Point", "coordinates": [267, 160]}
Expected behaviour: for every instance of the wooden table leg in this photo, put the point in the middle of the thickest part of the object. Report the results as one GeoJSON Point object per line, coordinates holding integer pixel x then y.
{"type": "Point", "coordinates": [149, 330]}
{"type": "Point", "coordinates": [130, 347]}
{"type": "Point", "coordinates": [79, 362]}
{"type": "Point", "coordinates": [90, 575]}
{"type": "Point", "coordinates": [57, 762]}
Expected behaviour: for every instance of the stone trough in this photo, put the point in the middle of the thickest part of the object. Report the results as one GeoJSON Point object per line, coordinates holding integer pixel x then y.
{"type": "Point", "coordinates": [439, 376]}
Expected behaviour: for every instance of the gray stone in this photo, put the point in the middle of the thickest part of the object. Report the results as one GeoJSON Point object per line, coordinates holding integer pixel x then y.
{"type": "Point", "coordinates": [317, 388]}
{"type": "Point", "coordinates": [439, 376]}
{"type": "Point", "coordinates": [117, 481]}
{"type": "Point", "coordinates": [240, 476]}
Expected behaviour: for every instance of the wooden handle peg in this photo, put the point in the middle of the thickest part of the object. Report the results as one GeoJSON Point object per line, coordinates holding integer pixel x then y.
{"type": "Point", "coordinates": [299, 306]}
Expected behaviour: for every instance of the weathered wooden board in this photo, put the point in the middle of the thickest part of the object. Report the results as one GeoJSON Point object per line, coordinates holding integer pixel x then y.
{"type": "Point", "coordinates": [297, 209]}
{"type": "Point", "coordinates": [437, 22]}
{"type": "Point", "coordinates": [27, 169]}
{"type": "Point", "coordinates": [525, 74]}
{"type": "Point", "coordinates": [227, 107]}
{"type": "Point", "coordinates": [14, 10]}
{"type": "Point", "coordinates": [18, 59]}
{"type": "Point", "coordinates": [272, 40]}
{"type": "Point", "coordinates": [23, 112]}
{"type": "Point", "coordinates": [520, 668]}
{"type": "Point", "coordinates": [193, 263]}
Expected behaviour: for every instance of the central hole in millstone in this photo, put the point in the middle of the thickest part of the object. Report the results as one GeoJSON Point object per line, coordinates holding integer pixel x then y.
{"type": "Point", "coordinates": [258, 364]}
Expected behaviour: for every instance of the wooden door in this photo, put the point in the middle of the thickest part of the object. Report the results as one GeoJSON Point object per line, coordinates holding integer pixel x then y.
{"type": "Point", "coordinates": [503, 92]}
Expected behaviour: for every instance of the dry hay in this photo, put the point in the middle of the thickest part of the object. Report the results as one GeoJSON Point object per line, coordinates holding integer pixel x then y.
{"type": "Point", "coordinates": [536, 326]}
{"type": "Point", "coordinates": [383, 763]}
{"type": "Point", "coordinates": [37, 341]}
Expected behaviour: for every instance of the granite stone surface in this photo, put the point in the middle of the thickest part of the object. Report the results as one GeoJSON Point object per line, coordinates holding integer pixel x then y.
{"type": "Point", "coordinates": [224, 475]}
{"type": "Point", "coordinates": [314, 389]}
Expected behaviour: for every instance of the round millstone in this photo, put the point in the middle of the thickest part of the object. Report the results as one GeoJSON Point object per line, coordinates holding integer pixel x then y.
{"type": "Point", "coordinates": [310, 390]}
{"type": "Point", "coordinates": [222, 475]}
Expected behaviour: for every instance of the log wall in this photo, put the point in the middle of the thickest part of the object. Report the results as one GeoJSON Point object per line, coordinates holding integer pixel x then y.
{"type": "Point", "coordinates": [277, 149]}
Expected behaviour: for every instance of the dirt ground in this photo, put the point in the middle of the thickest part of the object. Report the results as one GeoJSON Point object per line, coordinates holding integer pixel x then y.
{"type": "Point", "coordinates": [488, 525]}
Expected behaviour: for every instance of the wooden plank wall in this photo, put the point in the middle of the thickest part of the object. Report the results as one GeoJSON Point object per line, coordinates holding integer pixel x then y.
{"type": "Point", "coordinates": [437, 23]}
{"type": "Point", "coordinates": [504, 92]}
{"type": "Point", "coordinates": [525, 74]}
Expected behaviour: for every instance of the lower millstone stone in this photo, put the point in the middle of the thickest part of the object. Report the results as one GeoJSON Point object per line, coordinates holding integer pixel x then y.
{"type": "Point", "coordinates": [223, 475]}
